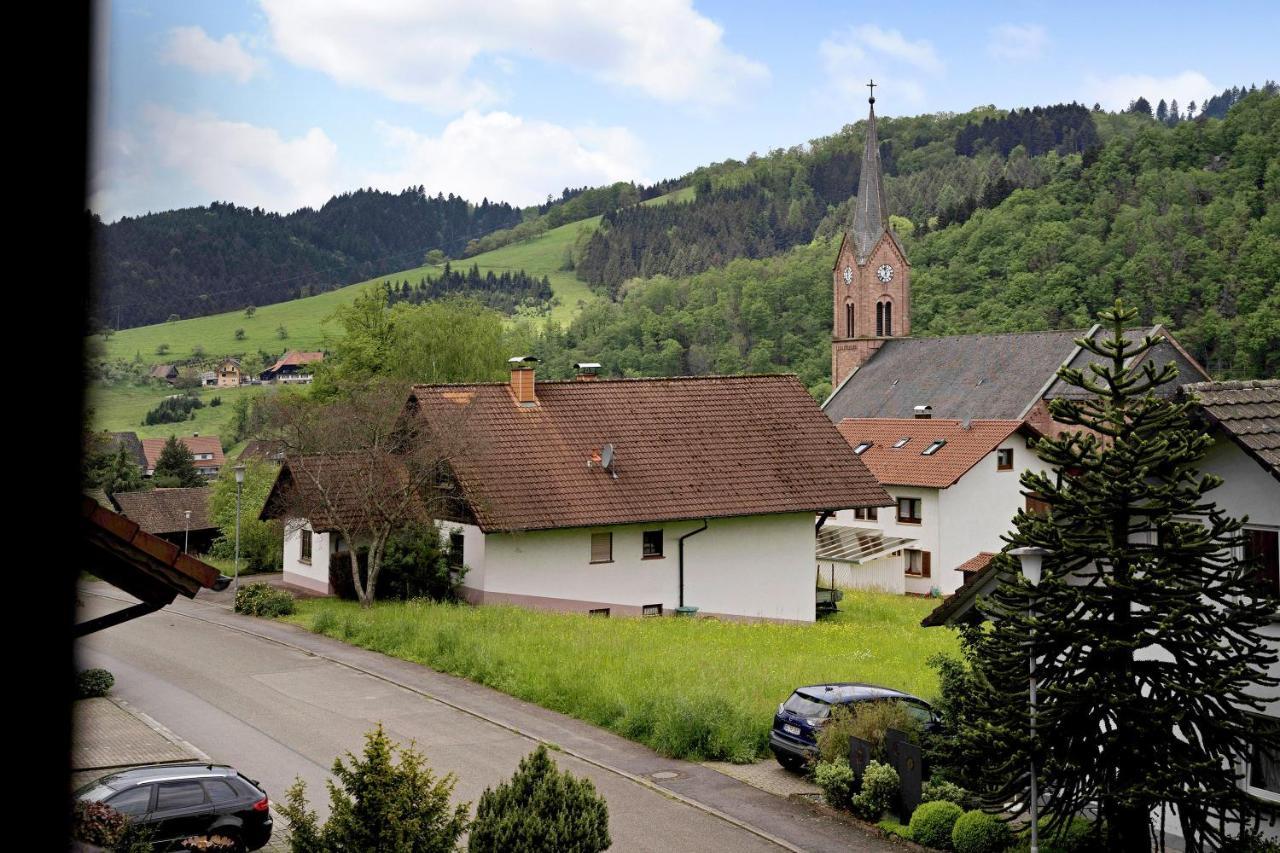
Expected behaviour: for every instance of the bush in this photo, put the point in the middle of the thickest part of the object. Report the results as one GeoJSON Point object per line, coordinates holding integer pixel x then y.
{"type": "Point", "coordinates": [931, 824]}
{"type": "Point", "coordinates": [978, 832]}
{"type": "Point", "coordinates": [92, 683]}
{"type": "Point", "coordinates": [835, 778]}
{"type": "Point", "coordinates": [260, 599]}
{"type": "Point", "coordinates": [1076, 837]}
{"type": "Point", "coordinates": [933, 791]}
{"type": "Point", "coordinates": [1251, 841]}
{"type": "Point", "coordinates": [416, 564]}
{"type": "Point", "coordinates": [378, 804]}
{"type": "Point", "coordinates": [216, 401]}
{"type": "Point", "coordinates": [100, 825]}
{"type": "Point", "coordinates": [865, 720]}
{"type": "Point", "coordinates": [833, 737]}
{"type": "Point", "coordinates": [879, 792]}
{"type": "Point", "coordinates": [541, 809]}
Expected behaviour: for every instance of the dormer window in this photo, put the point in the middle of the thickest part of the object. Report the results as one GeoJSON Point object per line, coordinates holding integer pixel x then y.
{"type": "Point", "coordinates": [933, 448]}
{"type": "Point", "coordinates": [902, 442]}
{"type": "Point", "coordinates": [862, 447]}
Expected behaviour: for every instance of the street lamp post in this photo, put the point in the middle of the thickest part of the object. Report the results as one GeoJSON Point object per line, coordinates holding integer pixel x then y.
{"type": "Point", "coordinates": [1032, 560]}
{"type": "Point", "coordinates": [235, 584]}
{"type": "Point", "coordinates": [186, 530]}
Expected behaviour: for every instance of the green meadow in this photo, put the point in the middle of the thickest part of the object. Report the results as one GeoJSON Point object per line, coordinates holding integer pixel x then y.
{"type": "Point", "coordinates": [689, 688]}
{"type": "Point", "coordinates": [121, 408]}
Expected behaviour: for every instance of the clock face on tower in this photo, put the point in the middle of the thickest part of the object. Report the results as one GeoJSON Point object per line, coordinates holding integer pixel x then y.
{"type": "Point", "coordinates": [848, 274]}
{"type": "Point", "coordinates": [885, 273]}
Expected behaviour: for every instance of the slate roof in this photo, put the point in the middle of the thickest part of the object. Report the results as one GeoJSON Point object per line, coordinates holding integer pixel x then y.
{"type": "Point", "coordinates": [998, 376]}
{"type": "Point", "coordinates": [685, 448]}
{"type": "Point", "coordinates": [907, 466]}
{"type": "Point", "coordinates": [195, 443]}
{"type": "Point", "coordinates": [1249, 412]}
{"type": "Point", "coordinates": [161, 510]}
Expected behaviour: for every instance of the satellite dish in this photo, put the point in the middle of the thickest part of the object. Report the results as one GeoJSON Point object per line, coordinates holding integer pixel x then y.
{"type": "Point", "coordinates": [606, 456]}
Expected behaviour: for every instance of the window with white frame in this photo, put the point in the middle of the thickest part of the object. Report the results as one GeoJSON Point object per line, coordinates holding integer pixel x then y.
{"type": "Point", "coordinates": [305, 555]}
{"type": "Point", "coordinates": [918, 563]}
{"type": "Point", "coordinates": [909, 510]}
{"type": "Point", "coordinates": [1262, 776]}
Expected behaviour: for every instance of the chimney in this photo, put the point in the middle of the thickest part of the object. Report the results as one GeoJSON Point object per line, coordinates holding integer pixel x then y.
{"type": "Point", "coordinates": [522, 374]}
{"type": "Point", "coordinates": [588, 371]}
{"type": "Point", "coordinates": [924, 413]}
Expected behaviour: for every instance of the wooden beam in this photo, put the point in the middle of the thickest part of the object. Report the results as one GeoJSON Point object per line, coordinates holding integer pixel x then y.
{"type": "Point", "coordinates": [115, 618]}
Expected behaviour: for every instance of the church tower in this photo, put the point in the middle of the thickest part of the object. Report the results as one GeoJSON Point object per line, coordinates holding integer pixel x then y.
{"type": "Point", "coordinates": [871, 276]}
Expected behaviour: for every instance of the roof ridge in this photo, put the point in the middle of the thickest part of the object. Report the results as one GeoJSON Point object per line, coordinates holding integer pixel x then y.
{"type": "Point", "coordinates": [607, 380]}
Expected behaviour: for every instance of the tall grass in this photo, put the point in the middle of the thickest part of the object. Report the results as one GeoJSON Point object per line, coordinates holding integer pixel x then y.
{"type": "Point", "coordinates": [688, 688]}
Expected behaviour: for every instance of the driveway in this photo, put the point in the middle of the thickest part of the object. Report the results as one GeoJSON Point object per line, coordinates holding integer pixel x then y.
{"type": "Point", "coordinates": [279, 702]}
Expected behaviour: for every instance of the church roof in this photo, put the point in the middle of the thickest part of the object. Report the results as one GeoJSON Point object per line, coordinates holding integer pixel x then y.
{"type": "Point", "coordinates": [996, 376]}
{"type": "Point", "coordinates": [871, 212]}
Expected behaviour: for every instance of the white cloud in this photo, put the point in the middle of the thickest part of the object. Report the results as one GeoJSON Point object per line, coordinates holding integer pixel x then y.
{"type": "Point", "coordinates": [505, 157]}
{"type": "Point", "coordinates": [868, 52]}
{"type": "Point", "coordinates": [191, 47]}
{"type": "Point", "coordinates": [1017, 42]}
{"type": "Point", "coordinates": [1115, 93]}
{"type": "Point", "coordinates": [423, 53]}
{"type": "Point", "coordinates": [178, 159]}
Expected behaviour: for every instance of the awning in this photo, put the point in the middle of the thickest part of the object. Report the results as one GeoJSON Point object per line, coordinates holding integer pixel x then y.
{"type": "Point", "coordinates": [856, 544]}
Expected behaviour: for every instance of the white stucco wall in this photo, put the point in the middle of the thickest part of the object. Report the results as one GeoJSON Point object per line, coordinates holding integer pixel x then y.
{"type": "Point", "coordinates": [753, 567]}
{"type": "Point", "coordinates": [977, 510]}
{"type": "Point", "coordinates": [313, 576]}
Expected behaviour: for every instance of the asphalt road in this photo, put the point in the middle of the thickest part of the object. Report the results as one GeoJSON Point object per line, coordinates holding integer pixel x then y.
{"type": "Point", "coordinates": [277, 712]}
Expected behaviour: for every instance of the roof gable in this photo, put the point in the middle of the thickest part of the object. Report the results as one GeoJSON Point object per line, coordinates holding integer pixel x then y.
{"type": "Point", "coordinates": [1248, 411]}
{"type": "Point", "coordinates": [685, 448]}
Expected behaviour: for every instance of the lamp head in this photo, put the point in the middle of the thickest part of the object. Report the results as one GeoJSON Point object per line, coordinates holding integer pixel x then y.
{"type": "Point", "coordinates": [187, 513]}
{"type": "Point", "coordinates": [239, 469]}
{"type": "Point", "coordinates": [1032, 560]}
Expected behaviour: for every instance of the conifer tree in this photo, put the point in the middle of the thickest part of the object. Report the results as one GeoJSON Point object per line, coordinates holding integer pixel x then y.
{"type": "Point", "coordinates": [176, 463]}
{"type": "Point", "coordinates": [1145, 628]}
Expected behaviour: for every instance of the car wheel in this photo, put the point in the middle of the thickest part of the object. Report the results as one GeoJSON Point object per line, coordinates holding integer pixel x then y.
{"type": "Point", "coordinates": [790, 762]}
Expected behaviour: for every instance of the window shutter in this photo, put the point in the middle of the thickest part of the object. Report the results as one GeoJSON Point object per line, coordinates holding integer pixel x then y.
{"type": "Point", "coordinates": [601, 547]}
{"type": "Point", "coordinates": [924, 564]}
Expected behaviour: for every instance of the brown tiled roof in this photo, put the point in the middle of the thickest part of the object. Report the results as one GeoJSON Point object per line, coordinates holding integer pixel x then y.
{"type": "Point", "coordinates": [685, 448]}
{"type": "Point", "coordinates": [905, 466]}
{"type": "Point", "coordinates": [141, 564]}
{"type": "Point", "coordinates": [161, 510]}
{"type": "Point", "coordinates": [258, 448]}
{"type": "Point", "coordinates": [294, 358]}
{"type": "Point", "coordinates": [195, 443]}
{"type": "Point", "coordinates": [1249, 412]}
{"type": "Point", "coordinates": [976, 563]}
{"type": "Point", "coordinates": [348, 479]}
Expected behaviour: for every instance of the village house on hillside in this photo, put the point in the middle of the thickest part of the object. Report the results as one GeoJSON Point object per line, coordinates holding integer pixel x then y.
{"type": "Point", "coordinates": [163, 513]}
{"type": "Point", "coordinates": [164, 372]}
{"type": "Point", "coordinates": [206, 449]}
{"type": "Point", "coordinates": [229, 374]}
{"type": "Point", "coordinates": [631, 496]}
{"type": "Point", "coordinates": [292, 367]}
{"type": "Point", "coordinates": [879, 371]}
{"type": "Point", "coordinates": [955, 489]}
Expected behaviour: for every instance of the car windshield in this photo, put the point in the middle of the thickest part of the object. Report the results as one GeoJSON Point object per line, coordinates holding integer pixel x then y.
{"type": "Point", "coordinates": [806, 706]}
{"type": "Point", "coordinates": [94, 792]}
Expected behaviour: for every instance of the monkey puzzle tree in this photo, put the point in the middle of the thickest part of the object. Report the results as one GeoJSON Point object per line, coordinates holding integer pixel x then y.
{"type": "Point", "coordinates": [1144, 627]}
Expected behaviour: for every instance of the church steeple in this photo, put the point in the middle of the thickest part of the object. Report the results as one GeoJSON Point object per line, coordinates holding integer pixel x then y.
{"type": "Point", "coordinates": [871, 276]}
{"type": "Point", "coordinates": [871, 216]}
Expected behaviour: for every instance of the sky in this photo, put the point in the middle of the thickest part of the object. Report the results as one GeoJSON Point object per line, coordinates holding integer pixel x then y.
{"type": "Point", "coordinates": [282, 104]}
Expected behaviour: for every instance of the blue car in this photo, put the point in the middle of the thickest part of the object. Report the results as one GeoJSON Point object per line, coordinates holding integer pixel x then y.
{"type": "Point", "coordinates": [794, 738]}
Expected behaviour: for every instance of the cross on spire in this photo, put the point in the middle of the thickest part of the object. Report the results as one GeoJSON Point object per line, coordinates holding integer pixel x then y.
{"type": "Point", "coordinates": [872, 86]}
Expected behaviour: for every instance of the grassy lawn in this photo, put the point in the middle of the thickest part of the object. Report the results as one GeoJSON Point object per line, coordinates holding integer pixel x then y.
{"type": "Point", "coordinates": [122, 407]}
{"type": "Point", "coordinates": [690, 688]}
{"type": "Point", "coordinates": [303, 319]}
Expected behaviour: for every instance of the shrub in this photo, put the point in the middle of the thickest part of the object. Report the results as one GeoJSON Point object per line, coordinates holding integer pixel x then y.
{"type": "Point", "coordinates": [416, 564]}
{"type": "Point", "coordinates": [978, 832]}
{"type": "Point", "coordinates": [378, 804]}
{"type": "Point", "coordinates": [260, 599]}
{"type": "Point", "coordinates": [92, 683]}
{"type": "Point", "coordinates": [216, 401]}
{"type": "Point", "coordinates": [97, 823]}
{"type": "Point", "coordinates": [1251, 841]}
{"type": "Point", "coordinates": [541, 809]}
{"type": "Point", "coordinates": [894, 828]}
{"type": "Point", "coordinates": [239, 334]}
{"type": "Point", "coordinates": [1076, 837]}
{"type": "Point", "coordinates": [835, 778]}
{"type": "Point", "coordinates": [833, 737]}
{"type": "Point", "coordinates": [941, 789]}
{"type": "Point", "coordinates": [931, 823]}
{"type": "Point", "coordinates": [879, 792]}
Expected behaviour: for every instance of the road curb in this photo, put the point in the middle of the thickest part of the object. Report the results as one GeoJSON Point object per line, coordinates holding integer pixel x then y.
{"type": "Point", "coordinates": [618, 771]}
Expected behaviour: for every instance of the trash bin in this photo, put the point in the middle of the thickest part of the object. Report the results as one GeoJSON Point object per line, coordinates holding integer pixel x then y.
{"type": "Point", "coordinates": [686, 611]}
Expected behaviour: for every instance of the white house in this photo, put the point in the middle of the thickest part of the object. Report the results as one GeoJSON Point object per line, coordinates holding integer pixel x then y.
{"type": "Point", "coordinates": [955, 490]}
{"type": "Point", "coordinates": [1244, 419]}
{"type": "Point", "coordinates": [633, 496]}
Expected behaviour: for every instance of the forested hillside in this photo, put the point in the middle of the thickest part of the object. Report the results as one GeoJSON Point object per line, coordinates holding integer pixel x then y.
{"type": "Point", "coordinates": [1182, 221]}
{"type": "Point", "coordinates": [204, 260]}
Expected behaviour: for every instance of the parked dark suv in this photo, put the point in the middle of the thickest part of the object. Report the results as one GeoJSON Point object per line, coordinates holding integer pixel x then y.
{"type": "Point", "coordinates": [794, 738]}
{"type": "Point", "coordinates": [179, 801]}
